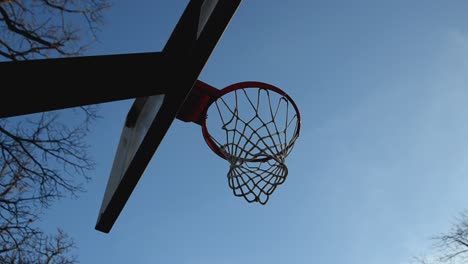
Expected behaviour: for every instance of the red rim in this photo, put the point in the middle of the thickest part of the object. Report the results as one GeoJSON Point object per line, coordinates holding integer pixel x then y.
{"type": "Point", "coordinates": [242, 85]}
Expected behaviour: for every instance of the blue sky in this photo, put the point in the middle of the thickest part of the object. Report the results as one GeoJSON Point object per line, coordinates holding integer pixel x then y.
{"type": "Point", "coordinates": [380, 167]}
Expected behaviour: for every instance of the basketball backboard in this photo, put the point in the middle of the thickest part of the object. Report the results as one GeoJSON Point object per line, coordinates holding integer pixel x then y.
{"type": "Point", "coordinates": [184, 55]}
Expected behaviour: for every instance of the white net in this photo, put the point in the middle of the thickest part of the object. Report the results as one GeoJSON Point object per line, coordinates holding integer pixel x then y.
{"type": "Point", "coordinates": [256, 181]}
{"type": "Point", "coordinates": [258, 131]}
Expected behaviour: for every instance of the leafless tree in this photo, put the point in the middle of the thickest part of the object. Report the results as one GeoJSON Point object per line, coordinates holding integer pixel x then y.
{"type": "Point", "coordinates": [43, 157]}
{"type": "Point", "coordinates": [450, 247]}
{"type": "Point", "coordinates": [31, 29]}
{"type": "Point", "coordinates": [42, 250]}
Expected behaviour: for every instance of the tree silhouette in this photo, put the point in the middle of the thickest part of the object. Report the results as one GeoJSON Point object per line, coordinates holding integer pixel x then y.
{"type": "Point", "coordinates": [450, 247]}
{"type": "Point", "coordinates": [43, 157]}
{"type": "Point", "coordinates": [34, 29]}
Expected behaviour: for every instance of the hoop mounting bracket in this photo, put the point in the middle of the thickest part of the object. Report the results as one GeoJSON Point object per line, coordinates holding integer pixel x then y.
{"type": "Point", "coordinates": [200, 97]}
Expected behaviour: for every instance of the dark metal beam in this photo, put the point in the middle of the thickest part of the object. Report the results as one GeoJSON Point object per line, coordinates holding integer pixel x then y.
{"type": "Point", "coordinates": [69, 82]}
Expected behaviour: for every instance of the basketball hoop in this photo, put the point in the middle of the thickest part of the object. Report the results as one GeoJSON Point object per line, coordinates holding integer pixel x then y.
{"type": "Point", "coordinates": [252, 125]}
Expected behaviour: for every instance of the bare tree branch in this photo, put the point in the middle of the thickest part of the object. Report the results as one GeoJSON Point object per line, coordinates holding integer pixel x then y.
{"type": "Point", "coordinates": [450, 247]}
{"type": "Point", "coordinates": [47, 28]}
{"type": "Point", "coordinates": [41, 159]}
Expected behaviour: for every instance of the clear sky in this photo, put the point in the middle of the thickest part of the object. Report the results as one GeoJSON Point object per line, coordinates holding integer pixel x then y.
{"type": "Point", "coordinates": [380, 167]}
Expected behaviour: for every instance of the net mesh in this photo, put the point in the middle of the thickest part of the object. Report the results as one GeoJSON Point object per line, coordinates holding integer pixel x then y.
{"type": "Point", "coordinates": [259, 129]}
{"type": "Point", "coordinates": [256, 181]}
